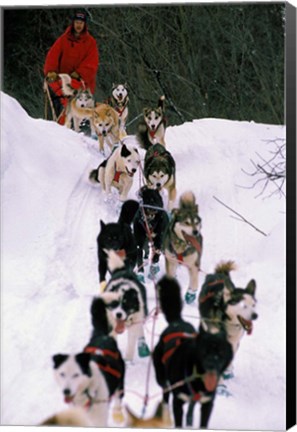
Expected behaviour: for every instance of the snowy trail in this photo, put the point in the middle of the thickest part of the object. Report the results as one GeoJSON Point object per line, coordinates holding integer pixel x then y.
{"type": "Point", "coordinates": [51, 216]}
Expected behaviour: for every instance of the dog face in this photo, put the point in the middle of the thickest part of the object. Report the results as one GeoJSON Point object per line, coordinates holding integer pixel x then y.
{"type": "Point", "coordinates": [111, 236]}
{"type": "Point", "coordinates": [152, 202]}
{"type": "Point", "coordinates": [131, 159]}
{"type": "Point", "coordinates": [158, 178]}
{"type": "Point", "coordinates": [187, 225]}
{"type": "Point", "coordinates": [84, 99]}
{"type": "Point", "coordinates": [241, 306]}
{"type": "Point", "coordinates": [72, 373]}
{"type": "Point", "coordinates": [103, 122]}
{"type": "Point", "coordinates": [124, 304]}
{"type": "Point", "coordinates": [152, 117]}
{"type": "Point", "coordinates": [214, 353]}
{"type": "Point", "coordinates": [119, 92]}
{"type": "Point", "coordinates": [123, 301]}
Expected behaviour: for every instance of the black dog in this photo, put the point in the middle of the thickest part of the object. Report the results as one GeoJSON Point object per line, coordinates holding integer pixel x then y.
{"type": "Point", "coordinates": [194, 360]}
{"type": "Point", "coordinates": [149, 225]}
{"type": "Point", "coordinates": [118, 237]}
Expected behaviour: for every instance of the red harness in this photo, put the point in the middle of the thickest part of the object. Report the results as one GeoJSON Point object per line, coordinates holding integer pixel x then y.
{"type": "Point", "coordinates": [179, 336]}
{"type": "Point", "coordinates": [105, 352]}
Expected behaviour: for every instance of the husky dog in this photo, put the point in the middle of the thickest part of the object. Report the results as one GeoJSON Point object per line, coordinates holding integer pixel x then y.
{"type": "Point", "coordinates": [221, 302]}
{"type": "Point", "coordinates": [149, 224]}
{"type": "Point", "coordinates": [89, 379]}
{"type": "Point", "coordinates": [79, 100]}
{"type": "Point", "coordinates": [117, 171]}
{"type": "Point", "coordinates": [105, 121]}
{"type": "Point", "coordinates": [117, 236]}
{"type": "Point", "coordinates": [189, 363]}
{"type": "Point", "coordinates": [161, 419]}
{"type": "Point", "coordinates": [183, 242]}
{"type": "Point", "coordinates": [125, 298]}
{"type": "Point", "coordinates": [159, 171]}
{"type": "Point", "coordinates": [151, 130]}
{"type": "Point", "coordinates": [119, 100]}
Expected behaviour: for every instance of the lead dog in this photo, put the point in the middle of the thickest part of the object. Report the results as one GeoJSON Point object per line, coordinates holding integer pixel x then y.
{"type": "Point", "coordinates": [221, 302]}
{"type": "Point", "coordinates": [89, 379]}
{"type": "Point", "coordinates": [187, 364]}
{"type": "Point", "coordinates": [183, 242]}
{"type": "Point", "coordinates": [117, 171]}
{"type": "Point", "coordinates": [151, 129]}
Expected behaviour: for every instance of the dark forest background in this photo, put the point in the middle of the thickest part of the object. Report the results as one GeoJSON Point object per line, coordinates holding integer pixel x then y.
{"type": "Point", "coordinates": [210, 60]}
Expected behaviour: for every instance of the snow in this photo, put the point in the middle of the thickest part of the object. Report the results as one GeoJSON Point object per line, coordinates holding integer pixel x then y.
{"type": "Point", "coordinates": [50, 220]}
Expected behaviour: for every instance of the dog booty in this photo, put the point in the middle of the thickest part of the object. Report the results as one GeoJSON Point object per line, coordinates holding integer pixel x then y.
{"type": "Point", "coordinates": [223, 391]}
{"type": "Point", "coordinates": [140, 277]}
{"type": "Point", "coordinates": [190, 297]}
{"type": "Point", "coordinates": [102, 286]}
{"type": "Point", "coordinates": [154, 269]}
{"type": "Point", "coordinates": [143, 349]}
{"type": "Point", "coordinates": [118, 415]}
{"type": "Point", "coordinates": [228, 374]}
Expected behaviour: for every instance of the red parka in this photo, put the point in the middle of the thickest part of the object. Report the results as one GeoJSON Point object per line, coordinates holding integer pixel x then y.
{"type": "Point", "coordinates": [69, 54]}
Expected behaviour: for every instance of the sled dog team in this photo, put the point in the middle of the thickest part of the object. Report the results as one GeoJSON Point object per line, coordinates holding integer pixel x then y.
{"type": "Point", "coordinates": [189, 363]}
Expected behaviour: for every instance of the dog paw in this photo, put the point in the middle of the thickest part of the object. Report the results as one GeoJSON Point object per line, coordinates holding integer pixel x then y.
{"type": "Point", "coordinates": [228, 374]}
{"type": "Point", "coordinates": [118, 415]}
{"type": "Point", "coordinates": [190, 297]}
{"type": "Point", "coordinates": [140, 277]}
{"type": "Point", "coordinates": [102, 286]}
{"type": "Point", "coordinates": [154, 269]}
{"type": "Point", "coordinates": [223, 391]}
{"type": "Point", "coordinates": [143, 349]}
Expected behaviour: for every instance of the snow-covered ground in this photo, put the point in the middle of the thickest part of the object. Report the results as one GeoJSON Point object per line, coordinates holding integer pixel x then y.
{"type": "Point", "coordinates": [49, 223]}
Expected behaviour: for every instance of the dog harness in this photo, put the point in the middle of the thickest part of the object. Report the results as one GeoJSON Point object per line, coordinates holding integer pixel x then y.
{"type": "Point", "coordinates": [173, 341]}
{"type": "Point", "coordinates": [118, 174]}
{"type": "Point", "coordinates": [189, 248]}
{"type": "Point", "coordinates": [104, 353]}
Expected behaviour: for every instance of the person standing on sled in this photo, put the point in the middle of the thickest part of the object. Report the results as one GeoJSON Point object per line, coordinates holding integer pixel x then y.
{"type": "Point", "coordinates": [74, 53]}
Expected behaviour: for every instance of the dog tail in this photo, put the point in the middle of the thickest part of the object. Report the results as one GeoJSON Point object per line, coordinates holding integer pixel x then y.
{"type": "Point", "coordinates": [142, 137]}
{"type": "Point", "coordinates": [225, 267]}
{"type": "Point", "coordinates": [114, 260]}
{"type": "Point", "coordinates": [161, 102]}
{"type": "Point", "coordinates": [170, 298]}
{"type": "Point", "coordinates": [128, 212]}
{"type": "Point", "coordinates": [187, 200]}
{"type": "Point", "coordinates": [66, 85]}
{"type": "Point", "coordinates": [99, 316]}
{"type": "Point", "coordinates": [93, 176]}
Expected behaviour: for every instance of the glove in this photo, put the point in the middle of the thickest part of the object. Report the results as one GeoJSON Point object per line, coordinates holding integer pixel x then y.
{"type": "Point", "coordinates": [75, 75]}
{"type": "Point", "coordinates": [51, 76]}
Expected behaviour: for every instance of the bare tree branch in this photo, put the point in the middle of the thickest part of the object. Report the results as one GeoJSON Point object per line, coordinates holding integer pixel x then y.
{"type": "Point", "coordinates": [243, 219]}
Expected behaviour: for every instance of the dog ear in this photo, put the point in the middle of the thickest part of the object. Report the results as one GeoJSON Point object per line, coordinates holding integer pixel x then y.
{"type": "Point", "coordinates": [251, 287]}
{"type": "Point", "coordinates": [124, 151]}
{"type": "Point", "coordinates": [58, 359]}
{"type": "Point", "coordinates": [83, 359]}
{"type": "Point", "coordinates": [102, 224]}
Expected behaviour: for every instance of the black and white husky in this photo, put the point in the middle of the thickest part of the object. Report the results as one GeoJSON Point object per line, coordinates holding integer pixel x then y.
{"type": "Point", "coordinates": [125, 297]}
{"type": "Point", "coordinates": [91, 378]}
{"type": "Point", "coordinates": [222, 303]}
{"type": "Point", "coordinates": [119, 101]}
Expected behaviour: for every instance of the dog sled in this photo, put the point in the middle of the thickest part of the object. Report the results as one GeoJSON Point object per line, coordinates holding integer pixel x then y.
{"type": "Point", "coordinates": [56, 99]}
